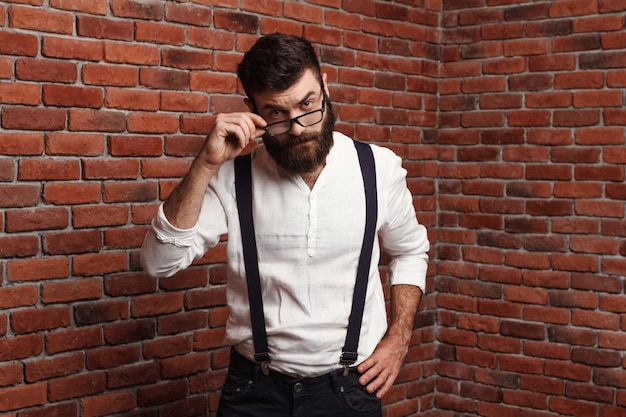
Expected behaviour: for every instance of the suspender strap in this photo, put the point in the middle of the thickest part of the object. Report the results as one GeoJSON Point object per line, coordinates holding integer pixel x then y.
{"type": "Point", "coordinates": [243, 190]}
{"type": "Point", "coordinates": [349, 353]}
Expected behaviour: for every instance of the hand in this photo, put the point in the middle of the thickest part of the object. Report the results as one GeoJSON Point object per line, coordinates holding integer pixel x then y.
{"type": "Point", "coordinates": [381, 369]}
{"type": "Point", "coordinates": [230, 135]}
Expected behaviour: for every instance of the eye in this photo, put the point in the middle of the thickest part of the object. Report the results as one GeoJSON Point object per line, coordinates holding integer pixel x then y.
{"type": "Point", "coordinates": [276, 114]}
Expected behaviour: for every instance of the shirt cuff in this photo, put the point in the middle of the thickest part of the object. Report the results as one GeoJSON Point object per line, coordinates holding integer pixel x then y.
{"type": "Point", "coordinates": [166, 233]}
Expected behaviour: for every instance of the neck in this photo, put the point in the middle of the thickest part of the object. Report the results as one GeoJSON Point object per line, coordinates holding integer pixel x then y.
{"type": "Point", "coordinates": [311, 177]}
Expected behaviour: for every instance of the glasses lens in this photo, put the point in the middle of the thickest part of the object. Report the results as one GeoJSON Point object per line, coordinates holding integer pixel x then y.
{"type": "Point", "coordinates": [311, 118]}
{"type": "Point", "coordinates": [308, 119]}
{"type": "Point", "coordinates": [279, 128]}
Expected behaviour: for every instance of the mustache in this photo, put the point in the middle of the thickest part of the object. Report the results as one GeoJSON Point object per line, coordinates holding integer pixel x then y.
{"type": "Point", "coordinates": [293, 140]}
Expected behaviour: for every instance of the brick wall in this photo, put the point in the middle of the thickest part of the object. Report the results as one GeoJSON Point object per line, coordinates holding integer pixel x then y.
{"type": "Point", "coordinates": [531, 235]}
{"type": "Point", "coordinates": [517, 168]}
{"type": "Point", "coordinates": [103, 104]}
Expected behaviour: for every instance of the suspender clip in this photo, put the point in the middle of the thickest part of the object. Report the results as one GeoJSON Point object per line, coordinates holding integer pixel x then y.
{"type": "Point", "coordinates": [348, 359]}
{"type": "Point", "coordinates": [264, 359]}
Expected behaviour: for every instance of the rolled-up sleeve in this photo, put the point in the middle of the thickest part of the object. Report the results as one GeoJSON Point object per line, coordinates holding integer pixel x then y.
{"type": "Point", "coordinates": [167, 249]}
{"type": "Point", "coordinates": [403, 238]}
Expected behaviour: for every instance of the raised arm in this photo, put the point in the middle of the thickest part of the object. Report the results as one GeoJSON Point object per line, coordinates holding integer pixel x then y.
{"type": "Point", "coordinates": [172, 244]}
{"type": "Point", "coordinates": [231, 134]}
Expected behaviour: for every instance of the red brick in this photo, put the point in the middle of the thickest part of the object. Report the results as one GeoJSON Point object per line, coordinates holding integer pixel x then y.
{"type": "Point", "coordinates": [151, 9]}
{"type": "Point", "coordinates": [596, 357]}
{"type": "Point", "coordinates": [70, 96]}
{"type": "Point", "coordinates": [13, 43]}
{"type": "Point", "coordinates": [48, 169]}
{"type": "Point", "coordinates": [19, 195]}
{"type": "Point", "coordinates": [47, 318]}
{"type": "Point", "coordinates": [135, 145]}
{"type": "Point", "coordinates": [117, 192]}
{"type": "Point", "coordinates": [129, 331]}
{"type": "Point", "coordinates": [72, 49]}
{"type": "Point", "coordinates": [110, 403]}
{"type": "Point", "coordinates": [572, 407]}
{"type": "Point", "coordinates": [18, 296]}
{"type": "Point", "coordinates": [166, 79]}
{"type": "Point", "coordinates": [159, 33]}
{"type": "Point", "coordinates": [19, 93]}
{"type": "Point", "coordinates": [60, 143]}
{"type": "Point", "coordinates": [98, 312]}
{"type": "Point", "coordinates": [76, 386]}
{"type": "Point", "coordinates": [28, 118]}
{"type": "Point", "coordinates": [127, 53]}
{"type": "Point", "coordinates": [567, 370]}
{"type": "Point", "coordinates": [152, 123]}
{"type": "Point", "coordinates": [209, 339]}
{"type": "Point", "coordinates": [572, 8]}
{"type": "Point", "coordinates": [188, 60]}
{"type": "Point", "coordinates": [92, 7]}
{"type": "Point", "coordinates": [119, 98]}
{"type": "Point", "coordinates": [96, 120]}
{"type": "Point", "coordinates": [22, 396]}
{"type": "Point", "coordinates": [180, 322]}
{"type": "Point", "coordinates": [55, 366]}
{"type": "Point", "coordinates": [65, 292]}
{"type": "Point", "coordinates": [71, 193]}
{"type": "Point", "coordinates": [20, 347]}
{"type": "Point", "coordinates": [212, 83]}
{"type": "Point", "coordinates": [112, 357]}
{"type": "Point", "coordinates": [143, 213]}
{"type": "Point", "coordinates": [98, 216]}
{"type": "Point", "coordinates": [110, 169]}
{"type": "Point", "coordinates": [99, 263]}
{"type": "Point", "coordinates": [190, 14]}
{"type": "Point", "coordinates": [73, 339]}
{"type": "Point", "coordinates": [46, 70]}
{"type": "Point", "coordinates": [21, 143]}
{"type": "Point", "coordinates": [113, 75]}
{"type": "Point", "coordinates": [37, 269]}
{"type": "Point", "coordinates": [40, 19]}
{"type": "Point", "coordinates": [133, 376]}
{"type": "Point", "coordinates": [168, 346]}
{"type": "Point", "coordinates": [11, 374]}
{"type": "Point", "coordinates": [102, 28]}
{"type": "Point", "coordinates": [597, 320]}
{"type": "Point", "coordinates": [184, 102]}
{"type": "Point", "coordinates": [154, 305]}
{"type": "Point", "coordinates": [125, 238]}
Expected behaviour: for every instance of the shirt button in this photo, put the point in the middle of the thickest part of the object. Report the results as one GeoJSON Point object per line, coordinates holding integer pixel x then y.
{"type": "Point", "coordinates": [297, 387]}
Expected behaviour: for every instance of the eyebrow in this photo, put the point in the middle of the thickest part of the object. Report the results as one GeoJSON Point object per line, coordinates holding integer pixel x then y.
{"type": "Point", "coordinates": [277, 107]}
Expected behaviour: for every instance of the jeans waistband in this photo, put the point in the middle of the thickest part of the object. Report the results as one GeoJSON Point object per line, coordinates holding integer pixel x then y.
{"type": "Point", "coordinates": [244, 367]}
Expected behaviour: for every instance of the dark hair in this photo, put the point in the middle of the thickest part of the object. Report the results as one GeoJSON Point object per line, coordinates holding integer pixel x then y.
{"type": "Point", "coordinates": [275, 63]}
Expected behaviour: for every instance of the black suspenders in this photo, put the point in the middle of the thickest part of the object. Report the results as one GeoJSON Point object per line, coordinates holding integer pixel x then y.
{"type": "Point", "coordinates": [243, 189]}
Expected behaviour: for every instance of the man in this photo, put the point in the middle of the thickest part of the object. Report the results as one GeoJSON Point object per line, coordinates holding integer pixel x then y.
{"type": "Point", "coordinates": [309, 215]}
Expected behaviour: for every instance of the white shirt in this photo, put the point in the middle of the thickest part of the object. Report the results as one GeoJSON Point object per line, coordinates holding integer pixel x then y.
{"type": "Point", "coordinates": [308, 241]}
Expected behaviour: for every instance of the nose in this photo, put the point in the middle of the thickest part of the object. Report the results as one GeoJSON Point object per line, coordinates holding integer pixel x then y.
{"type": "Point", "coordinates": [296, 129]}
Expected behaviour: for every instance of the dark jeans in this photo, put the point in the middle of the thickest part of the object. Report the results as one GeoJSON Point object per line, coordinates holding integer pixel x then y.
{"type": "Point", "coordinates": [249, 393]}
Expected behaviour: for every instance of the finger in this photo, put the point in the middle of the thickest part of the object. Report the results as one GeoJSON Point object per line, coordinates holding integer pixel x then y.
{"type": "Point", "coordinates": [385, 388]}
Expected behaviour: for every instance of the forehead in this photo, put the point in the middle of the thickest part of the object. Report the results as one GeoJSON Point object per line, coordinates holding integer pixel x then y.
{"type": "Point", "coordinates": [307, 84]}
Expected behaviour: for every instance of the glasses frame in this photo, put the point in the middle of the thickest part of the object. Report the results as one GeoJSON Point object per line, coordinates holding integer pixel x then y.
{"type": "Point", "coordinates": [296, 119]}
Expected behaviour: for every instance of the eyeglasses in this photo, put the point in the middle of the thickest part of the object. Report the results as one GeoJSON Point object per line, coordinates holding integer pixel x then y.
{"type": "Point", "coordinates": [305, 120]}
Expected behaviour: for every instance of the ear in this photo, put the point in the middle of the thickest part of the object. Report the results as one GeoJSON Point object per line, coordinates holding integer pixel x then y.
{"type": "Point", "coordinates": [324, 81]}
{"type": "Point", "coordinates": [249, 104]}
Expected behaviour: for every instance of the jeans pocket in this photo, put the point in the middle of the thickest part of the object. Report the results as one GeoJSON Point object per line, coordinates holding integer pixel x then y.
{"type": "Point", "coordinates": [357, 399]}
{"type": "Point", "coordinates": [235, 389]}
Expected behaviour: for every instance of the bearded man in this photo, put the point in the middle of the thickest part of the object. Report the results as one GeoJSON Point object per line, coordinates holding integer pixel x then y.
{"type": "Point", "coordinates": [306, 213]}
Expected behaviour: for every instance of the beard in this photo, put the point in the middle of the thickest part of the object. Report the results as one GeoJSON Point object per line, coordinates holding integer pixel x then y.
{"type": "Point", "coordinates": [306, 158]}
